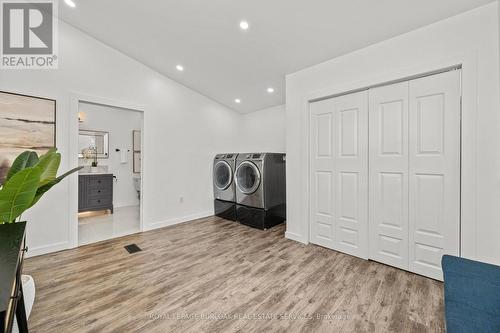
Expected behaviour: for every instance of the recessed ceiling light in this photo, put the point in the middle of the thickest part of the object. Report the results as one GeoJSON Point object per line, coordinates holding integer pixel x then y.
{"type": "Point", "coordinates": [237, 101]}
{"type": "Point", "coordinates": [180, 68]}
{"type": "Point", "coordinates": [70, 3]}
{"type": "Point", "coordinates": [244, 25]}
{"type": "Point", "coordinates": [270, 90]}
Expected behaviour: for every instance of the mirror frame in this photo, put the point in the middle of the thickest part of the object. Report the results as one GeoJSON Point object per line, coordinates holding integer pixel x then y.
{"type": "Point", "coordinates": [106, 142]}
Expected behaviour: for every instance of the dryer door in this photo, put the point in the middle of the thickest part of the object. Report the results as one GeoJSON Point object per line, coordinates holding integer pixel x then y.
{"type": "Point", "coordinates": [223, 175]}
{"type": "Point", "coordinates": [247, 177]}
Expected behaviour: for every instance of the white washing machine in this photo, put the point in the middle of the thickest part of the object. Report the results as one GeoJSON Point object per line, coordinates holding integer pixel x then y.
{"type": "Point", "coordinates": [260, 189]}
{"type": "Point", "coordinates": [224, 186]}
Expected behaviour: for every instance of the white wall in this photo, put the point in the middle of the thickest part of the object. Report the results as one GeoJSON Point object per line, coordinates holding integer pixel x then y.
{"type": "Point", "coordinates": [263, 131]}
{"type": "Point", "coordinates": [182, 132]}
{"type": "Point", "coordinates": [472, 37]}
{"type": "Point", "coordinates": [119, 123]}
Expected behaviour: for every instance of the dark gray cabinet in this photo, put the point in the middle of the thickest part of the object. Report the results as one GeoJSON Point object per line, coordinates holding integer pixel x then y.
{"type": "Point", "coordinates": [95, 192]}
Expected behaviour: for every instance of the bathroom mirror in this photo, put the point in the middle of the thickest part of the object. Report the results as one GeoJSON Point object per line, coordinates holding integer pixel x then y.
{"type": "Point", "coordinates": [98, 140]}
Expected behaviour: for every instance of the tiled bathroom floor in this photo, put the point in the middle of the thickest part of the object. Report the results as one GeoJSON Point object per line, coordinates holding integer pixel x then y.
{"type": "Point", "coordinates": [98, 226]}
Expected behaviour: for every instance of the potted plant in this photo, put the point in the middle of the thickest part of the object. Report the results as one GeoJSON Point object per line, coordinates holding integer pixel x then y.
{"type": "Point", "coordinates": [90, 153]}
{"type": "Point", "coordinates": [28, 179]}
{"type": "Point", "coordinates": [93, 166]}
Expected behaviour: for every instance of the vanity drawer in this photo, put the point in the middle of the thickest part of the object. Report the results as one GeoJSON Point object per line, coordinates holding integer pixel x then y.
{"type": "Point", "coordinates": [102, 191]}
{"type": "Point", "coordinates": [99, 201]}
{"type": "Point", "coordinates": [103, 181]}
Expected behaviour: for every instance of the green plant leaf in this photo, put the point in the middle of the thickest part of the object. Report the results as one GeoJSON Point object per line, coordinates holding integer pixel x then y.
{"type": "Point", "coordinates": [45, 187]}
{"type": "Point", "coordinates": [49, 164]}
{"type": "Point", "coordinates": [48, 153]}
{"type": "Point", "coordinates": [18, 193]}
{"type": "Point", "coordinates": [25, 160]}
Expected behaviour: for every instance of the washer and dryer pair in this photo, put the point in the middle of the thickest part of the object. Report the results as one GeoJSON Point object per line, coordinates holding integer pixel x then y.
{"type": "Point", "coordinates": [251, 188]}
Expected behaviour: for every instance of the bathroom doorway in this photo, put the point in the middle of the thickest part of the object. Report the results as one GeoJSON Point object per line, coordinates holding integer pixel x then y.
{"type": "Point", "coordinates": [110, 151]}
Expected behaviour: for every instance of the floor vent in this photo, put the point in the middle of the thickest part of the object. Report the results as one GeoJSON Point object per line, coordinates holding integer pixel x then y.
{"type": "Point", "coordinates": [132, 248]}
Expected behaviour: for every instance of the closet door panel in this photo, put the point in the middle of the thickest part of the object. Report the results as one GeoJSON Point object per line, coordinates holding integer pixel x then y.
{"type": "Point", "coordinates": [388, 165]}
{"type": "Point", "coordinates": [339, 173]}
{"type": "Point", "coordinates": [434, 171]}
{"type": "Point", "coordinates": [351, 173]}
{"type": "Point", "coordinates": [322, 218]}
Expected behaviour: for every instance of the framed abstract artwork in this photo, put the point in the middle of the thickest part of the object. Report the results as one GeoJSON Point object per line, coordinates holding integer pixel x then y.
{"type": "Point", "coordinates": [136, 139]}
{"type": "Point", "coordinates": [137, 162]}
{"type": "Point", "coordinates": [136, 143]}
{"type": "Point", "coordinates": [26, 123]}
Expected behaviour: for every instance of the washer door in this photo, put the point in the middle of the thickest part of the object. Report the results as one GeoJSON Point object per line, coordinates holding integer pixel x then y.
{"type": "Point", "coordinates": [247, 177]}
{"type": "Point", "coordinates": [223, 175]}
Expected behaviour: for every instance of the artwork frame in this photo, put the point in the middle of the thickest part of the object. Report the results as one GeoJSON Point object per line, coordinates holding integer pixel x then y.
{"type": "Point", "coordinates": [27, 122]}
{"type": "Point", "coordinates": [137, 162]}
{"type": "Point", "coordinates": [136, 140]}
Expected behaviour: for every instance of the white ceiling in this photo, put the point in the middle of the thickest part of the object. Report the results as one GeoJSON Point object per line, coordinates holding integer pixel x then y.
{"type": "Point", "coordinates": [223, 62]}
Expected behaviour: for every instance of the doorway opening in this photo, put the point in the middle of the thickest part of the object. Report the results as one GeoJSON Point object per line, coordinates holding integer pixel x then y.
{"type": "Point", "coordinates": [110, 182]}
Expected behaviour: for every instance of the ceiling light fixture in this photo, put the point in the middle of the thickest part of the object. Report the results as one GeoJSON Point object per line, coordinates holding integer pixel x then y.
{"type": "Point", "coordinates": [270, 90]}
{"type": "Point", "coordinates": [70, 3]}
{"type": "Point", "coordinates": [237, 101]}
{"type": "Point", "coordinates": [244, 25]}
{"type": "Point", "coordinates": [180, 68]}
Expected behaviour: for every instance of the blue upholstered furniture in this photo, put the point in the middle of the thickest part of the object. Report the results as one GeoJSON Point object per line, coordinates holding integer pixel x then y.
{"type": "Point", "coordinates": [471, 295]}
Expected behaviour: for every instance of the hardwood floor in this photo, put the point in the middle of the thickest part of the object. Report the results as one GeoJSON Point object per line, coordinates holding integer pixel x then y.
{"type": "Point", "coordinates": [213, 275]}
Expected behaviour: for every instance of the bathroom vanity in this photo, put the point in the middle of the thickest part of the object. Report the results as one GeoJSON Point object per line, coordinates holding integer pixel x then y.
{"type": "Point", "coordinates": [95, 192]}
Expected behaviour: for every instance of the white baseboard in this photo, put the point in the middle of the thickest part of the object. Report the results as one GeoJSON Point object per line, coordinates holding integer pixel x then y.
{"type": "Point", "coordinates": [49, 248]}
{"type": "Point", "coordinates": [177, 220]}
{"type": "Point", "coordinates": [295, 237]}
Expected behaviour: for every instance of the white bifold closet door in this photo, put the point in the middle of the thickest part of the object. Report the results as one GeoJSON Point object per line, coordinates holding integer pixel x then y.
{"type": "Point", "coordinates": [385, 173]}
{"type": "Point", "coordinates": [434, 177]}
{"type": "Point", "coordinates": [339, 173]}
{"type": "Point", "coordinates": [414, 215]}
{"type": "Point", "coordinates": [388, 215]}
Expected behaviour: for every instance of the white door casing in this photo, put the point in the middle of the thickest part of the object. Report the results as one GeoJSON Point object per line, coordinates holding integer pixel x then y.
{"type": "Point", "coordinates": [434, 174]}
{"type": "Point", "coordinates": [388, 175]}
{"type": "Point", "coordinates": [339, 173]}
